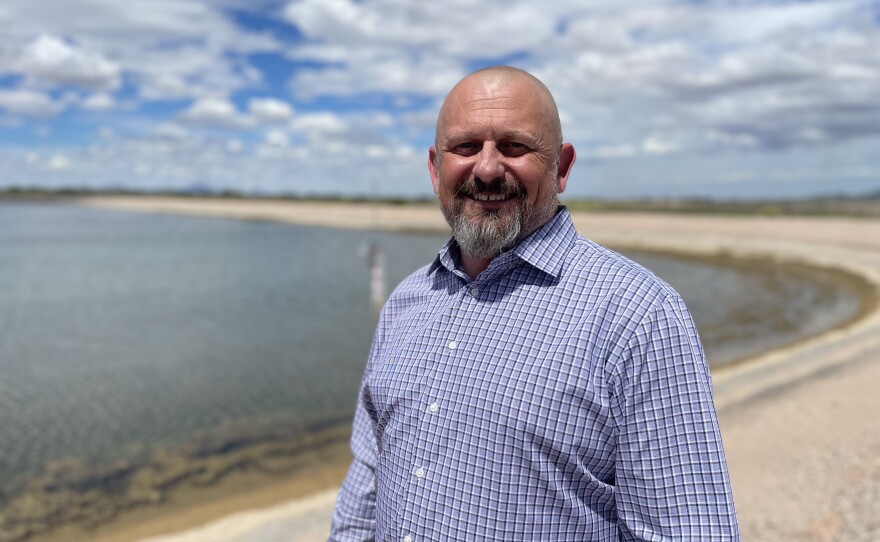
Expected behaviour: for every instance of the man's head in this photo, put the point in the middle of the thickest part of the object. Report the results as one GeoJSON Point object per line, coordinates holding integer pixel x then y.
{"type": "Point", "coordinates": [498, 161]}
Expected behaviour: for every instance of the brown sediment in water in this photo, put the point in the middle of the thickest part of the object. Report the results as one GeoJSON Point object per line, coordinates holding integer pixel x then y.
{"type": "Point", "coordinates": [203, 480]}
{"type": "Point", "coordinates": [187, 506]}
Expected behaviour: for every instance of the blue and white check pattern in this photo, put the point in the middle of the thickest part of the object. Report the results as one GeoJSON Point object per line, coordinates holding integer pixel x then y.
{"type": "Point", "coordinates": [562, 395]}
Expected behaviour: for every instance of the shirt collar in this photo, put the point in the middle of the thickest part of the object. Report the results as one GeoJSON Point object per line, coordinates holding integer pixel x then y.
{"type": "Point", "coordinates": [545, 249]}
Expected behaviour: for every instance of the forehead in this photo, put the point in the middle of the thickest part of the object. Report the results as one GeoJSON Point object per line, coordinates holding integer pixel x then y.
{"type": "Point", "coordinates": [495, 105]}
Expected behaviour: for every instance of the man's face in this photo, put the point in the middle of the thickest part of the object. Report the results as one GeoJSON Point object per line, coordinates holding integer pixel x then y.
{"type": "Point", "coordinates": [496, 164]}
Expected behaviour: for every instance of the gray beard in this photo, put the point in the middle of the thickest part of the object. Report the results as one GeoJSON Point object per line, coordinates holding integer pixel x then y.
{"type": "Point", "coordinates": [492, 234]}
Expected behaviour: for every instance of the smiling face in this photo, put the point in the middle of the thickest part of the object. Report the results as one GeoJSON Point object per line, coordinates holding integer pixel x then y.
{"type": "Point", "coordinates": [498, 162]}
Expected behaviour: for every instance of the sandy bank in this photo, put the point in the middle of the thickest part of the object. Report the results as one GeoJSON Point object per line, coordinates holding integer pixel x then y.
{"type": "Point", "coordinates": [800, 423]}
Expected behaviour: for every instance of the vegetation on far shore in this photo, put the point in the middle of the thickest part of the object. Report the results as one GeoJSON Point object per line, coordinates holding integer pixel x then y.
{"type": "Point", "coordinates": [865, 205]}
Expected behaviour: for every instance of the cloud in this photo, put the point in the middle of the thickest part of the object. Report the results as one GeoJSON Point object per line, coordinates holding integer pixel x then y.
{"type": "Point", "coordinates": [164, 86]}
{"type": "Point", "coordinates": [192, 70]}
{"type": "Point", "coordinates": [171, 130]}
{"type": "Point", "coordinates": [277, 138]}
{"type": "Point", "coordinates": [653, 64]}
{"type": "Point", "coordinates": [28, 103]}
{"type": "Point", "coordinates": [168, 49]}
{"type": "Point", "coordinates": [53, 60]}
{"type": "Point", "coordinates": [753, 23]}
{"type": "Point", "coordinates": [806, 79]}
{"type": "Point", "coordinates": [234, 146]}
{"type": "Point", "coordinates": [319, 123]}
{"type": "Point", "coordinates": [655, 144]}
{"type": "Point", "coordinates": [616, 151]}
{"type": "Point", "coordinates": [99, 102]}
{"type": "Point", "coordinates": [270, 109]}
{"type": "Point", "coordinates": [214, 112]}
{"type": "Point", "coordinates": [385, 74]}
{"type": "Point", "coordinates": [137, 25]}
{"type": "Point", "coordinates": [106, 133]}
{"type": "Point", "coordinates": [656, 94]}
{"type": "Point", "coordinates": [217, 112]}
{"type": "Point", "coordinates": [388, 25]}
{"type": "Point", "coordinates": [156, 162]}
{"type": "Point", "coordinates": [387, 46]}
{"type": "Point", "coordinates": [58, 163]}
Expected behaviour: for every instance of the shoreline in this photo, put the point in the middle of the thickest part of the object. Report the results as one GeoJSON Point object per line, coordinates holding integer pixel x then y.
{"type": "Point", "coordinates": [310, 473]}
{"type": "Point", "coordinates": [849, 245]}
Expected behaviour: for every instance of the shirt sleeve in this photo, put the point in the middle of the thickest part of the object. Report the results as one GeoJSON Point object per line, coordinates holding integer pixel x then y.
{"type": "Point", "coordinates": [354, 518]}
{"type": "Point", "coordinates": [671, 480]}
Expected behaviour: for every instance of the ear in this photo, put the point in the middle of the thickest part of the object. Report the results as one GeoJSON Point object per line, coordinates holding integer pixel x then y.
{"type": "Point", "coordinates": [567, 157]}
{"type": "Point", "coordinates": [432, 169]}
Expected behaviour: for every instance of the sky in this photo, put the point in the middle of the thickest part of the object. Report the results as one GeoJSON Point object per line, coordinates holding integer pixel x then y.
{"type": "Point", "coordinates": [716, 99]}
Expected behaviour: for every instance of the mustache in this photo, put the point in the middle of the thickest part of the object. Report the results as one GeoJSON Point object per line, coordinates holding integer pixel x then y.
{"type": "Point", "coordinates": [496, 187]}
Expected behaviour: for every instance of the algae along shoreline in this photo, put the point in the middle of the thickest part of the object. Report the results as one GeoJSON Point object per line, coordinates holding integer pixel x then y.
{"type": "Point", "coordinates": [72, 501]}
{"type": "Point", "coordinates": [240, 467]}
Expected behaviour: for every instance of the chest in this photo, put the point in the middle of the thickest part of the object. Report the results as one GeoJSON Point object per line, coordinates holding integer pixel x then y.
{"type": "Point", "coordinates": [515, 370]}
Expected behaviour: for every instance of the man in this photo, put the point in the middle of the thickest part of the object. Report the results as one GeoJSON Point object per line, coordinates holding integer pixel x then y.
{"type": "Point", "coordinates": [529, 384]}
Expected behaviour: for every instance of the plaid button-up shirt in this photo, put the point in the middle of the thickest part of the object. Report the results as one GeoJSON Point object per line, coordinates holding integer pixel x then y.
{"type": "Point", "coordinates": [561, 395]}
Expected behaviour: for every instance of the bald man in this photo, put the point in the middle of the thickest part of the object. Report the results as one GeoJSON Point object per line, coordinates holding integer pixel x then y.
{"type": "Point", "coordinates": [529, 384]}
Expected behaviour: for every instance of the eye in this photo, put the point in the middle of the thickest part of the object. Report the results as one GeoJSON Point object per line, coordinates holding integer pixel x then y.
{"type": "Point", "coordinates": [513, 148]}
{"type": "Point", "coordinates": [467, 148]}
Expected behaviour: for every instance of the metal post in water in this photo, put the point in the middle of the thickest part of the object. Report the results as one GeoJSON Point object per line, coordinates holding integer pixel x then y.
{"type": "Point", "coordinates": [376, 258]}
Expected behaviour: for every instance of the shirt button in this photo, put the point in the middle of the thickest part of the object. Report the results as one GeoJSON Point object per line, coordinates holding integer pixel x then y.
{"type": "Point", "coordinates": [434, 407]}
{"type": "Point", "coordinates": [420, 472]}
{"type": "Point", "coordinates": [475, 292]}
{"type": "Point", "coordinates": [408, 538]}
{"type": "Point", "coordinates": [452, 345]}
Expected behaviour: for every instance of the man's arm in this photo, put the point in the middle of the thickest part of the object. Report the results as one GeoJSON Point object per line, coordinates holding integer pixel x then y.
{"type": "Point", "coordinates": [354, 518]}
{"type": "Point", "coordinates": [671, 475]}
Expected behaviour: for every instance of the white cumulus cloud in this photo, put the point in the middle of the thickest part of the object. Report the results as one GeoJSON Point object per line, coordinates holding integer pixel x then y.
{"type": "Point", "coordinates": [28, 103]}
{"type": "Point", "coordinates": [277, 138]}
{"type": "Point", "coordinates": [323, 123]}
{"type": "Point", "coordinates": [99, 102]}
{"type": "Point", "coordinates": [655, 144]}
{"type": "Point", "coordinates": [52, 59]}
{"type": "Point", "coordinates": [171, 130]}
{"type": "Point", "coordinates": [58, 162]}
{"type": "Point", "coordinates": [270, 109]}
{"type": "Point", "coordinates": [214, 112]}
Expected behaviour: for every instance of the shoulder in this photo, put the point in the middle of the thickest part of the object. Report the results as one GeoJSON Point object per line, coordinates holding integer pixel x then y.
{"type": "Point", "coordinates": [620, 302]}
{"type": "Point", "coordinates": [642, 321]}
{"type": "Point", "coordinates": [612, 277]}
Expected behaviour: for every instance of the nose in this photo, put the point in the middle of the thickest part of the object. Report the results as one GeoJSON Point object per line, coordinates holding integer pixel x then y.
{"type": "Point", "coordinates": [489, 166]}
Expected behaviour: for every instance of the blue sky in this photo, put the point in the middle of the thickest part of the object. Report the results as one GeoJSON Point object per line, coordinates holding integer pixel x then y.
{"type": "Point", "coordinates": [661, 98]}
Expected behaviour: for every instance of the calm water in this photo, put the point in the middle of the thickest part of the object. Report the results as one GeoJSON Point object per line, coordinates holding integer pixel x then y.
{"type": "Point", "coordinates": [121, 334]}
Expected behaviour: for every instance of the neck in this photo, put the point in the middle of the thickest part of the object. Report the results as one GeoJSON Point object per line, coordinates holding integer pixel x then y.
{"type": "Point", "coordinates": [473, 266]}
